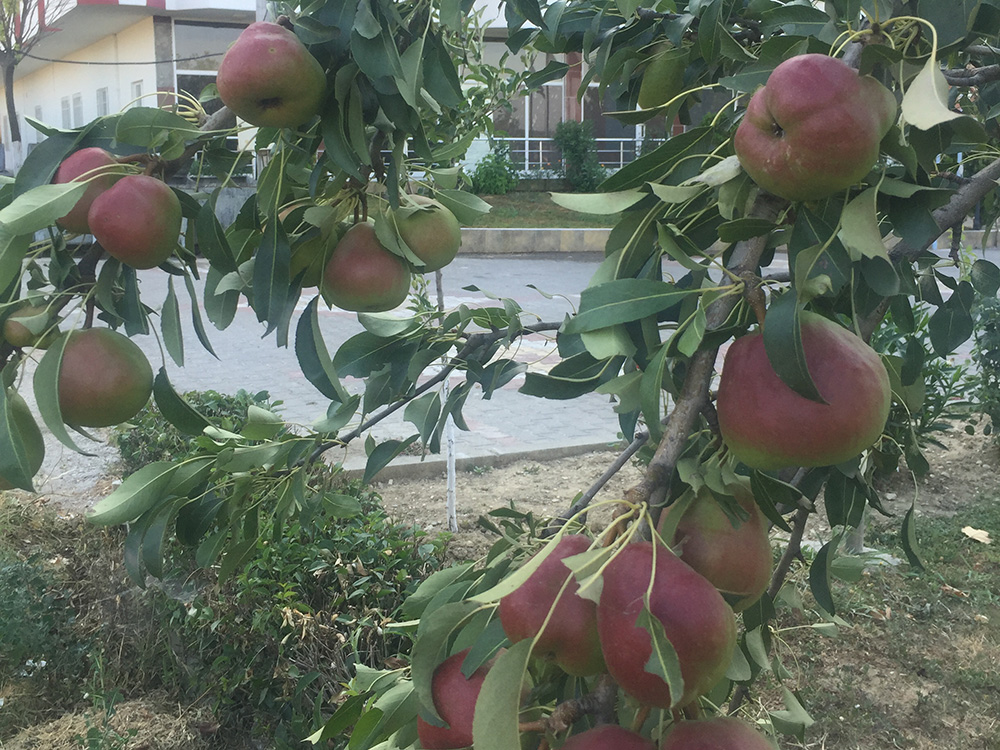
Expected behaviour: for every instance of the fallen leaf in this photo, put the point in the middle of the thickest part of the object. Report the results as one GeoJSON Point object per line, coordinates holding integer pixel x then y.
{"type": "Point", "coordinates": [978, 534]}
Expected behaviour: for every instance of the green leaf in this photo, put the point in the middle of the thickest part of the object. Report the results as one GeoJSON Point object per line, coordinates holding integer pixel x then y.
{"type": "Point", "coordinates": [794, 719]}
{"type": "Point", "coordinates": [925, 103]}
{"type": "Point", "coordinates": [314, 359]}
{"type": "Point", "coordinates": [261, 424]}
{"type": "Point", "coordinates": [341, 506]}
{"type": "Point", "coordinates": [603, 204]}
{"type": "Point", "coordinates": [271, 283]}
{"type": "Point", "coordinates": [15, 466]}
{"type": "Point", "coordinates": [663, 661]}
{"type": "Point", "coordinates": [745, 229]}
{"type": "Point", "coordinates": [985, 277]}
{"type": "Point", "coordinates": [199, 327]}
{"type": "Point", "coordinates": [40, 207]}
{"type": "Point", "coordinates": [415, 603]}
{"type": "Point", "coordinates": [516, 579]}
{"type": "Point", "coordinates": [819, 575]}
{"type": "Point", "coordinates": [622, 301]}
{"type": "Point", "coordinates": [653, 166]}
{"type": "Point", "coordinates": [783, 344]}
{"type": "Point", "coordinates": [170, 325]}
{"type": "Point", "coordinates": [428, 650]}
{"type": "Point", "coordinates": [845, 499]}
{"type": "Point", "coordinates": [423, 414]}
{"type": "Point", "coordinates": [651, 392]}
{"type": "Point", "coordinates": [908, 537]}
{"type": "Point", "coordinates": [13, 248]}
{"type": "Point", "coordinates": [135, 495]}
{"type": "Point", "coordinates": [468, 208]}
{"type": "Point", "coordinates": [952, 324]}
{"type": "Point", "coordinates": [670, 193]}
{"type": "Point", "coordinates": [859, 227]}
{"type": "Point", "coordinates": [46, 387]}
{"type": "Point", "coordinates": [174, 408]}
{"type": "Point", "coordinates": [495, 723]}
{"type": "Point", "coordinates": [383, 454]}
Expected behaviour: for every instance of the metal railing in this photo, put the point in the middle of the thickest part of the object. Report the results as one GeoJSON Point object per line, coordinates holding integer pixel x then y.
{"type": "Point", "coordinates": [538, 154]}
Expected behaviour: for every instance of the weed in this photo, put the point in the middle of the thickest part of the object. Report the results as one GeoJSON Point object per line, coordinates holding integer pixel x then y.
{"type": "Point", "coordinates": [495, 174]}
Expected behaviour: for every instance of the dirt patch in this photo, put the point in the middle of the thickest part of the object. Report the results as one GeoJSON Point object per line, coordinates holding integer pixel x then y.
{"type": "Point", "coordinates": [145, 724]}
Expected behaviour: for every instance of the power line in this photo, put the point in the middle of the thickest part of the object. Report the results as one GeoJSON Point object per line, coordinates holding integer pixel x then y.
{"type": "Point", "coordinates": [145, 62]}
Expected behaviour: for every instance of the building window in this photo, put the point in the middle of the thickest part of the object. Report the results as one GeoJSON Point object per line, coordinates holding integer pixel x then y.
{"type": "Point", "coordinates": [200, 45]}
{"type": "Point", "coordinates": [67, 121]}
{"type": "Point", "coordinates": [136, 93]}
{"type": "Point", "coordinates": [77, 110]}
{"type": "Point", "coordinates": [102, 102]}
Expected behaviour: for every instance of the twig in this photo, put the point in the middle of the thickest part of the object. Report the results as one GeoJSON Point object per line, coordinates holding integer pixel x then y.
{"type": "Point", "coordinates": [599, 702]}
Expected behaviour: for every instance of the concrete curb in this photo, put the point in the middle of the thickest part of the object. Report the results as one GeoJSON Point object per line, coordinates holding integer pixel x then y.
{"type": "Point", "coordinates": [500, 241]}
{"type": "Point", "coordinates": [411, 467]}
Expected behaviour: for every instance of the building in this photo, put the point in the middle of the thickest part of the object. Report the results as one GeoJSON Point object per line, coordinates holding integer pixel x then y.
{"type": "Point", "coordinates": [106, 55]}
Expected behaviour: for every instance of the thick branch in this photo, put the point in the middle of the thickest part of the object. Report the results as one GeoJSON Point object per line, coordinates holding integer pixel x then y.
{"type": "Point", "coordinates": [695, 391]}
{"type": "Point", "coordinates": [972, 76]}
{"type": "Point", "coordinates": [963, 201]}
{"type": "Point", "coordinates": [221, 119]}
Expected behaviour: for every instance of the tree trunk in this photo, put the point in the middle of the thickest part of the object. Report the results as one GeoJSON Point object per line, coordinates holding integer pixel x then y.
{"type": "Point", "coordinates": [8, 87]}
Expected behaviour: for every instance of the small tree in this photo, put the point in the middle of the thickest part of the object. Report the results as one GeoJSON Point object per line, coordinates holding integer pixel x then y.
{"type": "Point", "coordinates": [580, 166]}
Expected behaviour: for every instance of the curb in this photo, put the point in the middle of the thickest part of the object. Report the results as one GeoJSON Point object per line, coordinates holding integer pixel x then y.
{"type": "Point", "coordinates": [411, 467]}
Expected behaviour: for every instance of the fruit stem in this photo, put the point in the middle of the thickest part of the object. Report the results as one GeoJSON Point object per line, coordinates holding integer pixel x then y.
{"type": "Point", "coordinates": [640, 718]}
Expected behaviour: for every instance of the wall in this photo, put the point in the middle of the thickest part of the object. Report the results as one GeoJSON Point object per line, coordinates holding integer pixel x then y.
{"type": "Point", "coordinates": [47, 86]}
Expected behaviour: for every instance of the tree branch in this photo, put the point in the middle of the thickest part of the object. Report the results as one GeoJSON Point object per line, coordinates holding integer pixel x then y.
{"type": "Point", "coordinates": [972, 76]}
{"type": "Point", "coordinates": [695, 391]}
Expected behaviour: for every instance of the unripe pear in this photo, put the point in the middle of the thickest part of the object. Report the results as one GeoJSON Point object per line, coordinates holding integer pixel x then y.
{"type": "Point", "coordinates": [570, 637]}
{"type": "Point", "coordinates": [663, 78]}
{"type": "Point", "coordinates": [608, 737]}
{"type": "Point", "coordinates": [270, 79]}
{"type": "Point", "coordinates": [721, 733]}
{"type": "Point", "coordinates": [455, 701]}
{"type": "Point", "coordinates": [17, 333]}
{"type": "Point", "coordinates": [137, 220]}
{"type": "Point", "coordinates": [104, 379]}
{"type": "Point", "coordinates": [362, 275]}
{"type": "Point", "coordinates": [90, 164]}
{"type": "Point", "coordinates": [31, 436]}
{"type": "Point", "coordinates": [734, 555]}
{"type": "Point", "coordinates": [767, 425]}
{"type": "Point", "coordinates": [814, 128]}
{"type": "Point", "coordinates": [431, 232]}
{"type": "Point", "coordinates": [697, 621]}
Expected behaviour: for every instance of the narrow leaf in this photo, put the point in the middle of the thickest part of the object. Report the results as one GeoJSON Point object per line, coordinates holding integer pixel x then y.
{"type": "Point", "coordinates": [170, 325]}
{"type": "Point", "coordinates": [313, 356]}
{"type": "Point", "coordinates": [495, 723]}
{"type": "Point", "coordinates": [174, 408]}
{"type": "Point", "coordinates": [134, 496]}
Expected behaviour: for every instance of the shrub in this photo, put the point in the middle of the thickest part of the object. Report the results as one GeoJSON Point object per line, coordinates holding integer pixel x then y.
{"type": "Point", "coordinates": [278, 640]}
{"type": "Point", "coordinates": [149, 437]}
{"type": "Point", "coordinates": [579, 153]}
{"type": "Point", "coordinates": [495, 174]}
{"type": "Point", "coordinates": [925, 407]}
{"type": "Point", "coordinates": [986, 355]}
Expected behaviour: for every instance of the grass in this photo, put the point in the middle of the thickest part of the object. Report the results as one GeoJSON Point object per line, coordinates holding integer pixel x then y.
{"type": "Point", "coordinates": [536, 210]}
{"type": "Point", "coordinates": [916, 663]}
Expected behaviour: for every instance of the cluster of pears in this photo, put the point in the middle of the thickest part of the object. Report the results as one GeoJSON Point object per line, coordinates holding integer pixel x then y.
{"type": "Point", "coordinates": [136, 218]}
{"type": "Point", "coordinates": [355, 271]}
{"type": "Point", "coordinates": [718, 564]}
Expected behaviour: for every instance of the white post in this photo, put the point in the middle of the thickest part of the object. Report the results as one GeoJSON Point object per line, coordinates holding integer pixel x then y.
{"type": "Point", "coordinates": [449, 432]}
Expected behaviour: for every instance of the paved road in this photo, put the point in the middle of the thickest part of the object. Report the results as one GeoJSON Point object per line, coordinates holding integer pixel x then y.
{"type": "Point", "coordinates": [506, 424]}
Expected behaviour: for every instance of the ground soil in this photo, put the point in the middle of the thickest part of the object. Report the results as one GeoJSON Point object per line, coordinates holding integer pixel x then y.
{"type": "Point", "coordinates": [965, 467]}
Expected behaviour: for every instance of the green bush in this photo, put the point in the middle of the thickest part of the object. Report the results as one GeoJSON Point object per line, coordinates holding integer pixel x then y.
{"type": "Point", "coordinates": [495, 174]}
{"type": "Point", "coordinates": [986, 355]}
{"type": "Point", "coordinates": [581, 168]}
{"type": "Point", "coordinates": [272, 645]}
{"type": "Point", "coordinates": [921, 408]}
{"type": "Point", "coordinates": [149, 437]}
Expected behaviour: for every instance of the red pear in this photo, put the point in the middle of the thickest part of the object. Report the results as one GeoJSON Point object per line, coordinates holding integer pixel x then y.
{"type": "Point", "coordinates": [137, 220]}
{"type": "Point", "coordinates": [570, 638]}
{"type": "Point", "coordinates": [814, 128]}
{"type": "Point", "coordinates": [89, 164]}
{"type": "Point", "coordinates": [104, 379]}
{"type": "Point", "coordinates": [270, 79]}
{"type": "Point", "coordinates": [735, 556]}
{"type": "Point", "coordinates": [722, 733]}
{"type": "Point", "coordinates": [362, 275]}
{"type": "Point", "coordinates": [696, 619]}
{"type": "Point", "coordinates": [608, 737]}
{"type": "Point", "coordinates": [455, 701]}
{"type": "Point", "coordinates": [767, 425]}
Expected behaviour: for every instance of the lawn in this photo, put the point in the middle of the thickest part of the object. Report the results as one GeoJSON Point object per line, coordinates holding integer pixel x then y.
{"type": "Point", "coordinates": [536, 210]}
